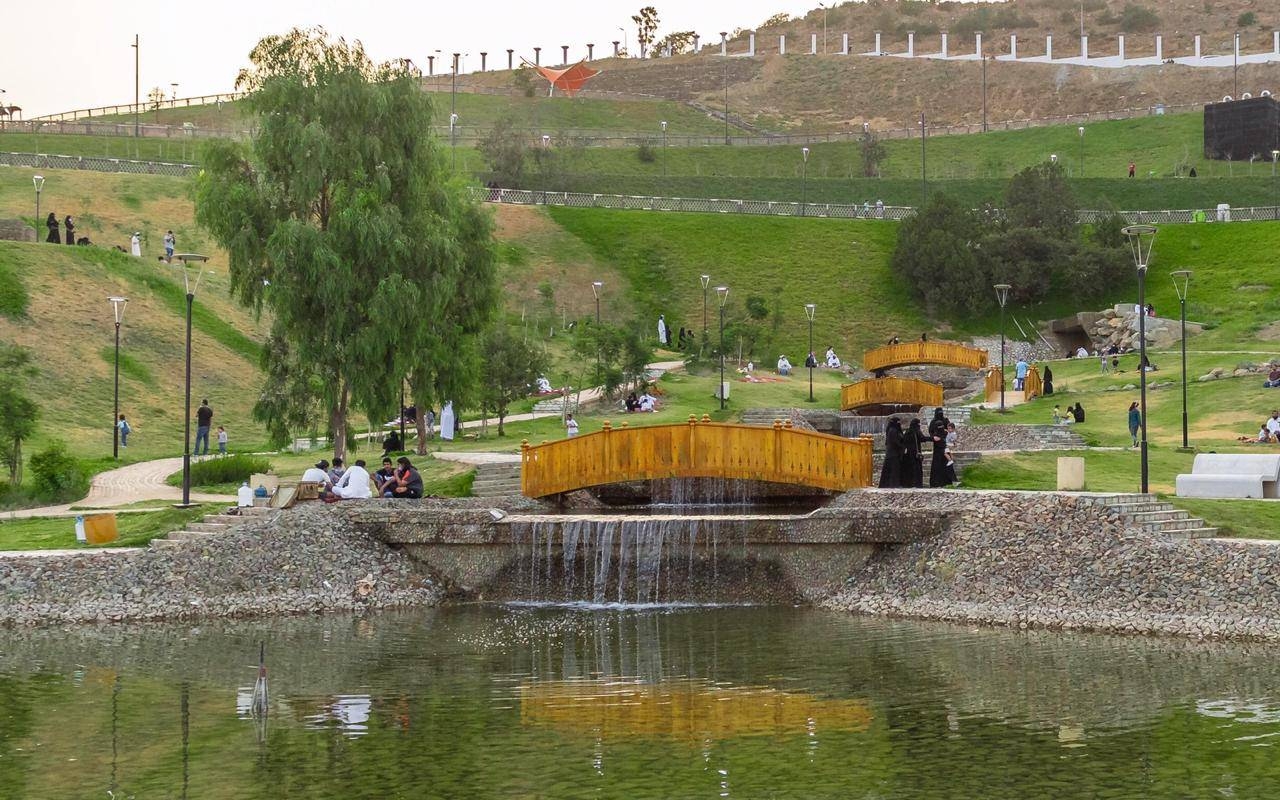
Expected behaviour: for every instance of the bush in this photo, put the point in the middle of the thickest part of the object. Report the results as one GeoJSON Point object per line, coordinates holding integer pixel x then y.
{"type": "Point", "coordinates": [58, 476]}
{"type": "Point", "coordinates": [1136, 19]}
{"type": "Point", "coordinates": [232, 469]}
{"type": "Point", "coordinates": [1247, 20]}
{"type": "Point", "coordinates": [646, 153]}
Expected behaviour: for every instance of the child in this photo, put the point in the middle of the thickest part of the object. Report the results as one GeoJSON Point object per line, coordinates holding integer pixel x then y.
{"type": "Point", "coordinates": [1057, 415]}
{"type": "Point", "coordinates": [952, 438]}
{"type": "Point", "coordinates": [125, 430]}
{"type": "Point", "coordinates": [222, 441]}
{"type": "Point", "coordinates": [571, 426]}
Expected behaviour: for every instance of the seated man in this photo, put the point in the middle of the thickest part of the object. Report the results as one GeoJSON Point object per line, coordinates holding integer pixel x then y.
{"type": "Point", "coordinates": [384, 478]}
{"type": "Point", "coordinates": [833, 361]}
{"type": "Point", "coordinates": [318, 474]}
{"type": "Point", "coordinates": [336, 472]}
{"type": "Point", "coordinates": [392, 443]}
{"type": "Point", "coordinates": [632, 402]}
{"type": "Point", "coordinates": [648, 402]}
{"type": "Point", "coordinates": [354, 484]}
{"type": "Point", "coordinates": [408, 481]}
{"type": "Point", "coordinates": [1273, 379]}
{"type": "Point", "coordinates": [544, 385]}
{"type": "Point", "coordinates": [1081, 352]}
{"type": "Point", "coordinates": [784, 366]}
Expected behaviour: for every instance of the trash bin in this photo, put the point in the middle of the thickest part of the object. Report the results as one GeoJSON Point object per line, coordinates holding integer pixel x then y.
{"type": "Point", "coordinates": [100, 528]}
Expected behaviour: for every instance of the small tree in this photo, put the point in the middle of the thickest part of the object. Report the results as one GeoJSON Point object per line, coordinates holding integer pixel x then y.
{"type": "Point", "coordinates": [1040, 197]}
{"type": "Point", "coordinates": [677, 43]}
{"type": "Point", "coordinates": [504, 148]}
{"type": "Point", "coordinates": [508, 369]}
{"type": "Point", "coordinates": [937, 256]}
{"type": "Point", "coordinates": [873, 154]}
{"type": "Point", "coordinates": [18, 413]}
{"type": "Point", "coordinates": [156, 98]}
{"type": "Point", "coordinates": [646, 28]}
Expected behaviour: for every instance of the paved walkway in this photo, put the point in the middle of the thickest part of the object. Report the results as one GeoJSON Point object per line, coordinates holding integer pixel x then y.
{"type": "Point", "coordinates": [124, 486]}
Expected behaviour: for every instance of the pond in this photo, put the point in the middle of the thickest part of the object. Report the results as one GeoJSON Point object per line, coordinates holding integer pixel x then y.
{"type": "Point", "coordinates": [488, 701]}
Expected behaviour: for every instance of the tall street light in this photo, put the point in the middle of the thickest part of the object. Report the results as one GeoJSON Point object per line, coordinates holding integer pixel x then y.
{"type": "Point", "coordinates": [664, 151]}
{"type": "Point", "coordinates": [984, 93]}
{"type": "Point", "coordinates": [38, 182]}
{"type": "Point", "coordinates": [1141, 238]}
{"type": "Point", "coordinates": [809, 309]}
{"type": "Point", "coordinates": [1080, 131]}
{"type": "Point", "coordinates": [804, 179]}
{"type": "Point", "coordinates": [1181, 283]}
{"type": "Point", "coordinates": [1275, 188]}
{"type": "Point", "coordinates": [187, 260]}
{"type": "Point", "coordinates": [723, 293]}
{"type": "Point", "coordinates": [825, 9]}
{"type": "Point", "coordinates": [137, 89]}
{"type": "Point", "coordinates": [924, 172]}
{"type": "Point", "coordinates": [1002, 294]}
{"type": "Point", "coordinates": [117, 310]}
{"type": "Point", "coordinates": [453, 140]}
{"type": "Point", "coordinates": [726, 98]}
{"type": "Point", "coordinates": [706, 281]}
{"type": "Point", "coordinates": [596, 286]}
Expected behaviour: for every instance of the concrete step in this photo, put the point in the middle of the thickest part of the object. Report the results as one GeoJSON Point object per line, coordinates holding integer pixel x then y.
{"type": "Point", "coordinates": [165, 543]}
{"type": "Point", "coordinates": [1170, 525]}
{"type": "Point", "coordinates": [222, 519]}
{"type": "Point", "coordinates": [1160, 514]}
{"type": "Point", "coordinates": [1194, 533]}
{"type": "Point", "coordinates": [208, 527]}
{"type": "Point", "coordinates": [1138, 508]}
{"type": "Point", "coordinates": [190, 536]}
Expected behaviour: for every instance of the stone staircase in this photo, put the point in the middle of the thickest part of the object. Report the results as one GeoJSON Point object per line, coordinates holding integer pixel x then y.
{"type": "Point", "coordinates": [1056, 437]}
{"type": "Point", "coordinates": [210, 526]}
{"type": "Point", "coordinates": [1151, 514]}
{"type": "Point", "coordinates": [497, 479]}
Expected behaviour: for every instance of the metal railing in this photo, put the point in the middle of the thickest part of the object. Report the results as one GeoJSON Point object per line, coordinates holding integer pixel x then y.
{"type": "Point", "coordinates": [139, 108]}
{"type": "Point", "coordinates": [703, 205]}
{"type": "Point", "coordinates": [97, 164]}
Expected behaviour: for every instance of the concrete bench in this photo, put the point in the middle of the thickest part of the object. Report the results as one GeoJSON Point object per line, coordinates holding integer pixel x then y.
{"type": "Point", "coordinates": [1237, 475]}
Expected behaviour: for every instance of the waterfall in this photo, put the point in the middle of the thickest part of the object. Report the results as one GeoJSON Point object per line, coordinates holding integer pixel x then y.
{"type": "Point", "coordinates": [631, 559]}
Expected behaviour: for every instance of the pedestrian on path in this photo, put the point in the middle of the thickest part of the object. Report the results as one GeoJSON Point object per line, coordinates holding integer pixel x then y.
{"type": "Point", "coordinates": [135, 245]}
{"type": "Point", "coordinates": [204, 418]}
{"type": "Point", "coordinates": [222, 441]}
{"type": "Point", "coordinates": [1135, 422]}
{"type": "Point", "coordinates": [571, 426]}
{"type": "Point", "coordinates": [123, 426]}
{"type": "Point", "coordinates": [170, 242]}
{"type": "Point", "coordinates": [51, 222]}
{"type": "Point", "coordinates": [69, 230]}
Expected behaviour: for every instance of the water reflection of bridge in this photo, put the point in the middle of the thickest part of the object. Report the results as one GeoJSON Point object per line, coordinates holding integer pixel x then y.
{"type": "Point", "coordinates": [699, 449]}
{"type": "Point", "coordinates": [690, 710]}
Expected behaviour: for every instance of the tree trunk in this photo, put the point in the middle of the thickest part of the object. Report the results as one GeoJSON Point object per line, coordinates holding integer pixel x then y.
{"type": "Point", "coordinates": [421, 426]}
{"type": "Point", "coordinates": [501, 416]}
{"type": "Point", "coordinates": [338, 424]}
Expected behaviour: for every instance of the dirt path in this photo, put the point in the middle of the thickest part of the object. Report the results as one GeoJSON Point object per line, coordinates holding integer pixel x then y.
{"type": "Point", "coordinates": [123, 486]}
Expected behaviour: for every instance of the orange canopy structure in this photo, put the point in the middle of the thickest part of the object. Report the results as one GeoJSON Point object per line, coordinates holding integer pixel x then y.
{"type": "Point", "coordinates": [569, 80]}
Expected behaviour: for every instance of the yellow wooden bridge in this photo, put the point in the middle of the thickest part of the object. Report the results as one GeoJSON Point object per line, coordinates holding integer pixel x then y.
{"type": "Point", "coordinates": [889, 392]}
{"type": "Point", "coordinates": [1031, 389]}
{"type": "Point", "coordinates": [698, 449]}
{"type": "Point", "coordinates": [947, 354]}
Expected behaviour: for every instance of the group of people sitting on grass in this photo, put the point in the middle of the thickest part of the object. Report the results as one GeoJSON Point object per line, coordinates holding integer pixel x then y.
{"type": "Point", "coordinates": [644, 402]}
{"type": "Point", "coordinates": [1074, 415]}
{"type": "Point", "coordinates": [336, 482]}
{"type": "Point", "coordinates": [1269, 433]}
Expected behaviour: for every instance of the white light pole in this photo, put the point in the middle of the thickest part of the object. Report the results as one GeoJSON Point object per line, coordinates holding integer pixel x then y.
{"type": "Point", "coordinates": [706, 281]}
{"type": "Point", "coordinates": [809, 309]}
{"type": "Point", "coordinates": [804, 178]}
{"type": "Point", "coordinates": [1002, 294]}
{"type": "Point", "coordinates": [453, 139]}
{"type": "Point", "coordinates": [1080, 130]}
{"type": "Point", "coordinates": [117, 310]}
{"type": "Point", "coordinates": [664, 150]}
{"type": "Point", "coordinates": [596, 286]}
{"type": "Point", "coordinates": [1141, 238]}
{"type": "Point", "coordinates": [38, 181]}
{"type": "Point", "coordinates": [1181, 284]}
{"type": "Point", "coordinates": [723, 293]}
{"type": "Point", "coordinates": [186, 260]}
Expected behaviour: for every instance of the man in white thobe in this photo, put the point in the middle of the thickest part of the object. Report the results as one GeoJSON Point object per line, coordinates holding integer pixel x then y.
{"type": "Point", "coordinates": [354, 483]}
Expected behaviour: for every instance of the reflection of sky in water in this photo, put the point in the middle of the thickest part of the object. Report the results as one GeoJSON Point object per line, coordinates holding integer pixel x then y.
{"type": "Point", "coordinates": [1241, 711]}
{"type": "Point", "coordinates": [348, 713]}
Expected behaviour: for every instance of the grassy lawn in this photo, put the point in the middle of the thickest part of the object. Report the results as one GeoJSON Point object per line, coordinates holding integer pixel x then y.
{"type": "Point", "coordinates": [49, 533]}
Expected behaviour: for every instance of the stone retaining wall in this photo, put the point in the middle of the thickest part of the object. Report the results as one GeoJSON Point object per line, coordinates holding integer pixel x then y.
{"type": "Point", "coordinates": [1041, 560]}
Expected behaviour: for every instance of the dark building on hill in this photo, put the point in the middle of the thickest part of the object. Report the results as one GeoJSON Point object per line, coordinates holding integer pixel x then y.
{"type": "Point", "coordinates": [1238, 129]}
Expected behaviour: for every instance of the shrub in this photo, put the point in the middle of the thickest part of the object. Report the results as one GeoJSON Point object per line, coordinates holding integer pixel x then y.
{"type": "Point", "coordinates": [1136, 18]}
{"type": "Point", "coordinates": [232, 469]}
{"type": "Point", "coordinates": [1247, 20]}
{"type": "Point", "coordinates": [58, 476]}
{"type": "Point", "coordinates": [646, 153]}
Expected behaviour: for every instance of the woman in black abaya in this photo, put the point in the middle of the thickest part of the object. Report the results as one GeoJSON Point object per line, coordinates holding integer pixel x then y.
{"type": "Point", "coordinates": [938, 473]}
{"type": "Point", "coordinates": [912, 460]}
{"type": "Point", "coordinates": [52, 224]}
{"type": "Point", "coordinates": [891, 472]}
{"type": "Point", "coordinates": [1048, 380]}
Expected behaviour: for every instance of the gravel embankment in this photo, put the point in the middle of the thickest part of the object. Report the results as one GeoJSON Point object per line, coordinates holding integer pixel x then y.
{"type": "Point", "coordinates": [306, 560]}
{"type": "Point", "coordinates": [1060, 562]}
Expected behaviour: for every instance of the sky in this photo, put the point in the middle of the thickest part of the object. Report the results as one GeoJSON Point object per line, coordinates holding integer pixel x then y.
{"type": "Point", "coordinates": [79, 54]}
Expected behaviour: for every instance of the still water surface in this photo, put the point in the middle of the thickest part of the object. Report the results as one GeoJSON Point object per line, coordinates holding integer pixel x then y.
{"type": "Point", "coordinates": [532, 702]}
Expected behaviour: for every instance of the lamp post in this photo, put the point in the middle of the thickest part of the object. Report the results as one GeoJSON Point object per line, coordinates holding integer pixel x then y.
{"type": "Point", "coordinates": [1275, 188]}
{"type": "Point", "coordinates": [117, 310]}
{"type": "Point", "coordinates": [1141, 238]}
{"type": "Point", "coordinates": [726, 98]}
{"type": "Point", "coordinates": [1080, 131]}
{"type": "Point", "coordinates": [706, 281]}
{"type": "Point", "coordinates": [809, 309]}
{"type": "Point", "coordinates": [453, 108]}
{"type": "Point", "coordinates": [924, 172]}
{"type": "Point", "coordinates": [723, 293]}
{"type": "Point", "coordinates": [984, 93]}
{"type": "Point", "coordinates": [825, 9]}
{"type": "Point", "coordinates": [137, 90]}
{"type": "Point", "coordinates": [186, 260]}
{"type": "Point", "coordinates": [173, 95]}
{"type": "Point", "coordinates": [664, 151]}
{"type": "Point", "coordinates": [596, 286]}
{"type": "Point", "coordinates": [1002, 294]}
{"type": "Point", "coordinates": [453, 139]}
{"type": "Point", "coordinates": [38, 182]}
{"type": "Point", "coordinates": [804, 179]}
{"type": "Point", "coordinates": [1181, 283]}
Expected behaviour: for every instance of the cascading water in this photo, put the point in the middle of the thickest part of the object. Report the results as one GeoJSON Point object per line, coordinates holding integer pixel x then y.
{"type": "Point", "coordinates": [626, 559]}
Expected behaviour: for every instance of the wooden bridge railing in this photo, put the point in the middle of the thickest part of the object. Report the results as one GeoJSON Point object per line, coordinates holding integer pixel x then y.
{"type": "Point", "coordinates": [995, 377]}
{"type": "Point", "coordinates": [1032, 388]}
{"type": "Point", "coordinates": [945, 353]}
{"type": "Point", "coordinates": [705, 449]}
{"type": "Point", "coordinates": [889, 391]}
